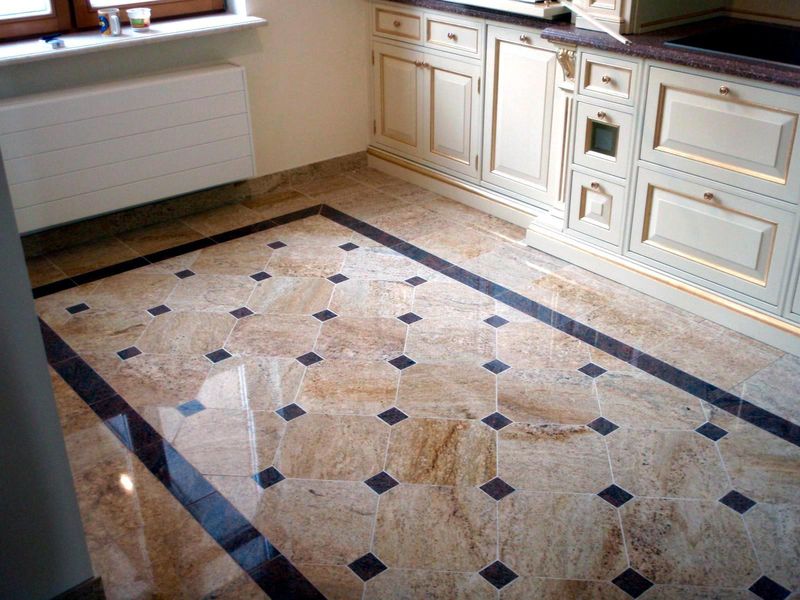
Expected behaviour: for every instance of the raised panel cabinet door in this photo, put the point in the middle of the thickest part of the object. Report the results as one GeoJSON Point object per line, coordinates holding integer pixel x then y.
{"type": "Point", "coordinates": [452, 125]}
{"type": "Point", "coordinates": [518, 117]}
{"type": "Point", "coordinates": [398, 98]}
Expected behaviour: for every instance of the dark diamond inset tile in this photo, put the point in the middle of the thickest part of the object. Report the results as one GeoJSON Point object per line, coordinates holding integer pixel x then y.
{"type": "Point", "coordinates": [187, 409]}
{"type": "Point", "coordinates": [129, 353]}
{"type": "Point", "coordinates": [276, 245]}
{"type": "Point", "coordinates": [367, 566]}
{"type": "Point", "coordinates": [382, 482]}
{"type": "Point", "coordinates": [633, 584]}
{"type": "Point", "coordinates": [496, 366]}
{"type": "Point", "coordinates": [738, 502]}
{"type": "Point", "coordinates": [184, 274]}
{"type": "Point", "coordinates": [324, 315]}
{"type": "Point", "coordinates": [711, 431]}
{"type": "Point", "coordinates": [602, 426]}
{"type": "Point", "coordinates": [766, 589]}
{"type": "Point", "coordinates": [496, 321]}
{"type": "Point", "coordinates": [218, 355]}
{"type": "Point", "coordinates": [497, 488]}
{"type": "Point", "coordinates": [77, 308]}
{"type": "Point", "coordinates": [592, 370]}
{"type": "Point", "coordinates": [161, 309]}
{"type": "Point", "coordinates": [415, 281]}
{"type": "Point", "coordinates": [393, 416]}
{"type": "Point", "coordinates": [496, 421]}
{"type": "Point", "coordinates": [309, 358]}
{"type": "Point", "coordinates": [409, 318]}
{"type": "Point", "coordinates": [260, 276]}
{"type": "Point", "coordinates": [338, 278]}
{"type": "Point", "coordinates": [290, 411]}
{"type": "Point", "coordinates": [348, 247]}
{"type": "Point", "coordinates": [402, 362]}
{"type": "Point", "coordinates": [615, 495]}
{"type": "Point", "coordinates": [498, 574]}
{"type": "Point", "coordinates": [268, 477]}
{"type": "Point", "coordinates": [241, 313]}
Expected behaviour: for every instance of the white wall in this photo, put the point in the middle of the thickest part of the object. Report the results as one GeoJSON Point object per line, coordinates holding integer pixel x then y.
{"type": "Point", "coordinates": [308, 76]}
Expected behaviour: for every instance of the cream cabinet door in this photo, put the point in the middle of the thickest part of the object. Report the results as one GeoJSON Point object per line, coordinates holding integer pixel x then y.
{"type": "Point", "coordinates": [452, 124]}
{"type": "Point", "coordinates": [518, 114]}
{"type": "Point", "coordinates": [398, 98]}
{"type": "Point", "coordinates": [724, 130]}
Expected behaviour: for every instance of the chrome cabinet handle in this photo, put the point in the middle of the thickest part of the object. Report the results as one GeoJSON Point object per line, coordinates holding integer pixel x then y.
{"type": "Point", "coordinates": [606, 79]}
{"type": "Point", "coordinates": [525, 38]}
{"type": "Point", "coordinates": [724, 90]}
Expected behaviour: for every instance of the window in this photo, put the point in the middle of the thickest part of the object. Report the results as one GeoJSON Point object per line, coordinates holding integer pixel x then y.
{"type": "Point", "coordinates": [31, 18]}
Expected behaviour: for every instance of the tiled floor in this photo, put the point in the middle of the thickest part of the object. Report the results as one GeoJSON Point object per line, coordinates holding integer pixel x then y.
{"type": "Point", "coordinates": [395, 433]}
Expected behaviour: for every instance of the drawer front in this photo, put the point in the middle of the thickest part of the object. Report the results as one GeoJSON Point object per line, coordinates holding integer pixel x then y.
{"type": "Point", "coordinates": [719, 236]}
{"type": "Point", "coordinates": [596, 208]}
{"type": "Point", "coordinates": [460, 36]}
{"type": "Point", "coordinates": [603, 138]}
{"type": "Point", "coordinates": [398, 24]}
{"type": "Point", "coordinates": [608, 78]}
{"type": "Point", "coordinates": [724, 130]}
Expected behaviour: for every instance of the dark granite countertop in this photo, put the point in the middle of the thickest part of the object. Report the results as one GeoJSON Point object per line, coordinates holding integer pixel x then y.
{"type": "Point", "coordinates": [645, 45]}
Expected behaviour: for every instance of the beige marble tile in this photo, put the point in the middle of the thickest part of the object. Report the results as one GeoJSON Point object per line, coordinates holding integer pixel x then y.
{"type": "Point", "coordinates": [553, 458]}
{"type": "Point", "coordinates": [159, 237]}
{"type": "Point", "coordinates": [774, 388]}
{"type": "Point", "coordinates": [211, 293]}
{"type": "Point", "coordinates": [565, 536]}
{"type": "Point", "coordinates": [103, 331]}
{"type": "Point", "coordinates": [455, 242]}
{"type": "Point", "coordinates": [401, 584]}
{"type": "Point", "coordinates": [230, 442]}
{"type": "Point", "coordinates": [353, 338]}
{"type": "Point", "coordinates": [333, 447]}
{"type": "Point", "coordinates": [688, 542]}
{"type": "Point", "coordinates": [329, 188]}
{"type": "Point", "coordinates": [242, 588]}
{"type": "Point", "coordinates": [547, 396]}
{"type": "Point", "coordinates": [374, 177]}
{"type": "Point", "coordinates": [315, 231]}
{"type": "Point", "coordinates": [456, 391]}
{"type": "Point", "coordinates": [640, 401]}
{"type": "Point", "coordinates": [538, 346]}
{"type": "Point", "coordinates": [411, 222]}
{"type": "Point", "coordinates": [41, 271]}
{"type": "Point", "coordinates": [499, 228]}
{"type": "Point", "coordinates": [186, 332]}
{"type": "Point", "coordinates": [251, 383]}
{"type": "Point", "coordinates": [92, 255]}
{"type": "Point", "coordinates": [438, 299]}
{"type": "Point", "coordinates": [320, 522]}
{"type": "Point", "coordinates": [355, 387]}
{"type": "Point", "coordinates": [527, 588]}
{"type": "Point", "coordinates": [224, 218]}
{"type": "Point", "coordinates": [305, 261]}
{"type": "Point", "coordinates": [442, 452]}
{"type": "Point", "coordinates": [367, 205]}
{"type": "Point", "coordinates": [237, 257]}
{"type": "Point", "coordinates": [132, 291]}
{"type": "Point", "coordinates": [408, 192]}
{"type": "Point", "coordinates": [450, 340]}
{"type": "Point", "coordinates": [160, 380]}
{"type": "Point", "coordinates": [679, 592]}
{"type": "Point", "coordinates": [571, 291]}
{"type": "Point", "coordinates": [274, 335]}
{"type": "Point", "coordinates": [276, 204]}
{"type": "Point", "coordinates": [439, 528]}
{"type": "Point", "coordinates": [333, 581]}
{"type": "Point", "coordinates": [380, 263]}
{"type": "Point", "coordinates": [762, 467]}
{"type": "Point", "coordinates": [291, 295]}
{"type": "Point", "coordinates": [675, 464]}
{"type": "Point", "coordinates": [516, 268]}
{"type": "Point", "coordinates": [369, 298]}
{"type": "Point", "coordinates": [775, 531]}
{"type": "Point", "coordinates": [53, 308]}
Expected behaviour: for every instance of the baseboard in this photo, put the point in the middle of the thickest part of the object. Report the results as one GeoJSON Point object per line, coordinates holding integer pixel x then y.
{"type": "Point", "coordinates": [91, 589]}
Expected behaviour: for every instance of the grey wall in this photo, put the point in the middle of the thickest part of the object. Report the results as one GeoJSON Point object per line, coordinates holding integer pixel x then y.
{"type": "Point", "coordinates": [42, 546]}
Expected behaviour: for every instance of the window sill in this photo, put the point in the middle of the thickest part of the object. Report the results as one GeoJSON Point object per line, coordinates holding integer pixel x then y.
{"type": "Point", "coordinates": [163, 31]}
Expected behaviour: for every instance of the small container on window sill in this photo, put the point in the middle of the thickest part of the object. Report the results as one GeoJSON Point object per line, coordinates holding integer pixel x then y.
{"type": "Point", "coordinates": [140, 19]}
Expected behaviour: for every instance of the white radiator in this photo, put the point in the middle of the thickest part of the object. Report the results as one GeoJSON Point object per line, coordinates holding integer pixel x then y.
{"type": "Point", "coordinates": [91, 150]}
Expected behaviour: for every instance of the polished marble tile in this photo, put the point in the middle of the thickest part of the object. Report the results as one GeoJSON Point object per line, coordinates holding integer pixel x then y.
{"type": "Point", "coordinates": [104, 331]}
{"type": "Point", "coordinates": [91, 256]}
{"type": "Point", "coordinates": [287, 336]}
{"type": "Point", "coordinates": [291, 295]}
{"type": "Point", "coordinates": [774, 387]}
{"type": "Point", "coordinates": [688, 542]}
{"type": "Point", "coordinates": [547, 396]}
{"type": "Point", "coordinates": [553, 458]}
{"type": "Point", "coordinates": [160, 380]}
{"type": "Point", "coordinates": [186, 332]}
{"type": "Point", "coordinates": [275, 204]}
{"type": "Point", "coordinates": [775, 531]}
{"type": "Point", "coordinates": [564, 536]}
{"type": "Point", "coordinates": [334, 581]}
{"type": "Point", "coordinates": [41, 271]}
{"type": "Point", "coordinates": [305, 261]}
{"type": "Point", "coordinates": [537, 346]}
{"type": "Point", "coordinates": [517, 267]}
{"type": "Point", "coordinates": [211, 293]}
{"type": "Point", "coordinates": [355, 387]}
{"type": "Point", "coordinates": [447, 299]}
{"type": "Point", "coordinates": [224, 218]}
{"type": "Point", "coordinates": [442, 452]}
{"type": "Point", "coordinates": [159, 237]}
{"type": "Point", "coordinates": [401, 584]}
{"type": "Point", "coordinates": [451, 340]}
{"type": "Point", "coordinates": [439, 528]}
{"type": "Point", "coordinates": [370, 298]}
{"type": "Point", "coordinates": [677, 592]}
{"type": "Point", "coordinates": [373, 177]}
{"type": "Point", "coordinates": [330, 188]}
{"type": "Point", "coordinates": [527, 588]}
{"type": "Point", "coordinates": [236, 257]}
{"type": "Point", "coordinates": [456, 390]}
{"type": "Point", "coordinates": [354, 338]}
{"type": "Point", "coordinates": [314, 231]}
{"type": "Point", "coordinates": [454, 242]}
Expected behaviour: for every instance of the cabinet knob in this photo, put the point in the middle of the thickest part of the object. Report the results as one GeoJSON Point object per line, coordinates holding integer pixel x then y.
{"type": "Point", "coordinates": [525, 38]}
{"type": "Point", "coordinates": [601, 115]}
{"type": "Point", "coordinates": [595, 186]}
{"type": "Point", "coordinates": [397, 23]}
{"type": "Point", "coordinates": [708, 196]}
{"type": "Point", "coordinates": [606, 79]}
{"type": "Point", "coordinates": [451, 36]}
{"type": "Point", "coordinates": [418, 63]}
{"type": "Point", "coordinates": [724, 90]}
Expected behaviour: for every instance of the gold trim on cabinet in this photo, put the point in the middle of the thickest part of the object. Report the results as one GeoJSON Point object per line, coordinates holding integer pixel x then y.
{"type": "Point", "coordinates": [566, 58]}
{"type": "Point", "coordinates": [382, 56]}
{"type": "Point", "coordinates": [716, 163]}
{"type": "Point", "coordinates": [468, 151]}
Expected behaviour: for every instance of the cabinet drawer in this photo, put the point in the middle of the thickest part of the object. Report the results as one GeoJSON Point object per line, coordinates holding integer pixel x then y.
{"type": "Point", "coordinates": [608, 78]}
{"type": "Point", "coordinates": [461, 36]}
{"type": "Point", "coordinates": [596, 207]}
{"type": "Point", "coordinates": [724, 130]}
{"type": "Point", "coordinates": [399, 24]}
{"type": "Point", "coordinates": [725, 238]}
{"type": "Point", "coordinates": [603, 138]}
